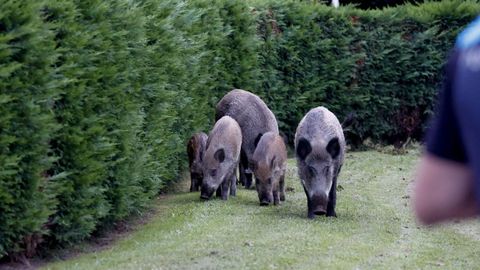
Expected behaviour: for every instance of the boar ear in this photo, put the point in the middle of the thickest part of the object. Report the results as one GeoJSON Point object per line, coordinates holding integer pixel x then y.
{"type": "Point", "coordinates": [219, 155]}
{"type": "Point", "coordinates": [303, 148]}
{"type": "Point", "coordinates": [257, 139]}
{"type": "Point", "coordinates": [333, 147]}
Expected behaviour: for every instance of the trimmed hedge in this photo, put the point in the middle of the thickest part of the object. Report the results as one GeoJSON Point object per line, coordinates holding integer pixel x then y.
{"type": "Point", "coordinates": [26, 123]}
{"type": "Point", "coordinates": [99, 97]}
{"type": "Point", "coordinates": [98, 107]}
{"type": "Point", "coordinates": [382, 65]}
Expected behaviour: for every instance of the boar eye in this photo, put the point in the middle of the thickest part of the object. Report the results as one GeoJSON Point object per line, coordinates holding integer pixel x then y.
{"type": "Point", "coordinates": [326, 170]}
{"type": "Point", "coordinates": [312, 171]}
{"type": "Point", "coordinates": [213, 173]}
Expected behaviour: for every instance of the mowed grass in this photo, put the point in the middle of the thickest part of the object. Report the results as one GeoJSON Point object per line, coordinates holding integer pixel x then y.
{"type": "Point", "coordinates": [375, 229]}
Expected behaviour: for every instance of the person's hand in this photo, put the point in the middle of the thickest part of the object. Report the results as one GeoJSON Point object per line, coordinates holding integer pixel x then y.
{"type": "Point", "coordinates": [444, 190]}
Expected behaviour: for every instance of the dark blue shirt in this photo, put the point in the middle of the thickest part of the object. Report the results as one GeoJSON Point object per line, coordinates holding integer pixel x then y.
{"type": "Point", "coordinates": [455, 131]}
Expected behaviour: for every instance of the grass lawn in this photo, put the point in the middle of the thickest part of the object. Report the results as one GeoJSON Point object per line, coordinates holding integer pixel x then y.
{"type": "Point", "coordinates": [374, 229]}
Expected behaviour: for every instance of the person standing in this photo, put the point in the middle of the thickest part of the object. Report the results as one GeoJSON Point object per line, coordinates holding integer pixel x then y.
{"type": "Point", "coordinates": [448, 176]}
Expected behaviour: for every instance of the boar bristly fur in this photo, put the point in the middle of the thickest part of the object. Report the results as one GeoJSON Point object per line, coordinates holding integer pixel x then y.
{"type": "Point", "coordinates": [269, 164]}
{"type": "Point", "coordinates": [195, 150]}
{"type": "Point", "coordinates": [254, 118]}
{"type": "Point", "coordinates": [320, 151]}
{"type": "Point", "coordinates": [221, 159]}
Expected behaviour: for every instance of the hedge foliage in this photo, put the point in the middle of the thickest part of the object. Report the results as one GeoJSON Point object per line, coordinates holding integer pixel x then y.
{"type": "Point", "coordinates": [99, 97]}
{"type": "Point", "coordinates": [26, 122]}
{"type": "Point", "coordinates": [382, 65]}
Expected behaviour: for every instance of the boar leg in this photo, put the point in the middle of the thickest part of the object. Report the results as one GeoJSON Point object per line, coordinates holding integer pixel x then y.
{"type": "Point", "coordinates": [199, 182]}
{"type": "Point", "coordinates": [332, 197]}
{"type": "Point", "coordinates": [332, 200]}
{"type": "Point", "coordinates": [233, 184]}
{"type": "Point", "coordinates": [193, 184]}
{"type": "Point", "coordinates": [282, 187]}
{"type": "Point", "coordinates": [219, 191]}
{"type": "Point", "coordinates": [248, 180]}
{"type": "Point", "coordinates": [245, 172]}
{"type": "Point", "coordinates": [276, 195]}
{"type": "Point", "coordinates": [242, 166]}
{"type": "Point", "coordinates": [310, 213]}
{"type": "Point", "coordinates": [224, 188]}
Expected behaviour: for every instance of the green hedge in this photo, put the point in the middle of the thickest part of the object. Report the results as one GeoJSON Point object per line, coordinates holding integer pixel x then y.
{"type": "Point", "coordinates": [382, 65]}
{"type": "Point", "coordinates": [99, 97]}
{"type": "Point", "coordinates": [98, 107]}
{"type": "Point", "coordinates": [26, 123]}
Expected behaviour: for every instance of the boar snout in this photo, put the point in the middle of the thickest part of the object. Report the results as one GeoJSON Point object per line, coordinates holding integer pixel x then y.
{"type": "Point", "coordinates": [320, 211]}
{"type": "Point", "coordinates": [319, 204]}
{"type": "Point", "coordinates": [265, 202]}
{"type": "Point", "coordinates": [265, 199]}
{"type": "Point", "coordinates": [206, 192]}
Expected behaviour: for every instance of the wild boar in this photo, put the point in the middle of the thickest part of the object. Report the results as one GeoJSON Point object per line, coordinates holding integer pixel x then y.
{"type": "Point", "coordinates": [221, 159]}
{"type": "Point", "coordinates": [195, 149]}
{"type": "Point", "coordinates": [254, 118]}
{"type": "Point", "coordinates": [269, 164]}
{"type": "Point", "coordinates": [320, 151]}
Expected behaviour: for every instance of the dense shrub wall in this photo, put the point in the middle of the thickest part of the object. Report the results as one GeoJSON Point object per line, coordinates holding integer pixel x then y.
{"type": "Point", "coordinates": [374, 4]}
{"type": "Point", "coordinates": [99, 97]}
{"type": "Point", "coordinates": [382, 65]}
{"type": "Point", "coordinates": [26, 122]}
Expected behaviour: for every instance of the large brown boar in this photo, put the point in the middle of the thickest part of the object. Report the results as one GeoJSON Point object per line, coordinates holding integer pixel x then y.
{"type": "Point", "coordinates": [195, 150]}
{"type": "Point", "coordinates": [269, 163]}
{"type": "Point", "coordinates": [254, 118]}
{"type": "Point", "coordinates": [320, 151]}
{"type": "Point", "coordinates": [221, 159]}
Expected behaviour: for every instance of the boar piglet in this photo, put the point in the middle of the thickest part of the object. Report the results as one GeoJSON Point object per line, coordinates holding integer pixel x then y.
{"type": "Point", "coordinates": [269, 163]}
{"type": "Point", "coordinates": [195, 149]}
{"type": "Point", "coordinates": [254, 118]}
{"type": "Point", "coordinates": [320, 151]}
{"type": "Point", "coordinates": [221, 158]}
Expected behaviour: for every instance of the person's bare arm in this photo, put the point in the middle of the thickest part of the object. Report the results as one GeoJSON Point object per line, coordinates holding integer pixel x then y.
{"type": "Point", "coordinates": [444, 190]}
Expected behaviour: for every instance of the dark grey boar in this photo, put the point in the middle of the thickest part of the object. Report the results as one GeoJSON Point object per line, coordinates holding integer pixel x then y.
{"type": "Point", "coordinates": [320, 151]}
{"type": "Point", "coordinates": [221, 159]}
{"type": "Point", "coordinates": [195, 149]}
{"type": "Point", "coordinates": [269, 163]}
{"type": "Point", "coordinates": [254, 118]}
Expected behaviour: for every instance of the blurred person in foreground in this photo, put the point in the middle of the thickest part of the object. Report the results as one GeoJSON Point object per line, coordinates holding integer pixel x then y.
{"type": "Point", "coordinates": [448, 176]}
